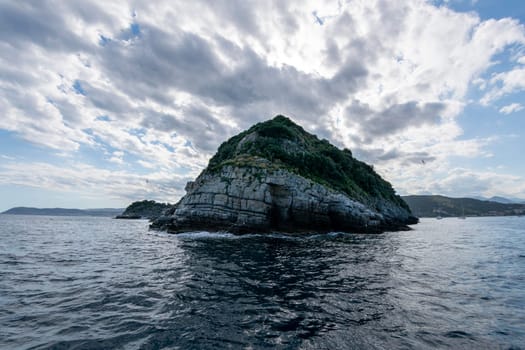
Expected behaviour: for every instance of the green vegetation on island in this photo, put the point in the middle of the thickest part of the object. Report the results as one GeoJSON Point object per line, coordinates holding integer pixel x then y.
{"type": "Point", "coordinates": [287, 145]}
{"type": "Point", "coordinates": [146, 209]}
{"type": "Point", "coordinates": [433, 206]}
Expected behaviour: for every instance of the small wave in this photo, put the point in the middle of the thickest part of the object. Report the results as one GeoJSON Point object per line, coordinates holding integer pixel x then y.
{"type": "Point", "coordinates": [229, 235]}
{"type": "Point", "coordinates": [207, 234]}
{"type": "Point", "coordinates": [459, 334]}
{"type": "Point", "coordinates": [272, 235]}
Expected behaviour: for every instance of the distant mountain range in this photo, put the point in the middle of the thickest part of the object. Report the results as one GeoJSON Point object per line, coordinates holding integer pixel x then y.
{"type": "Point", "coordinates": [421, 206]}
{"type": "Point", "coordinates": [502, 200]}
{"type": "Point", "coordinates": [434, 205]}
{"type": "Point", "coordinates": [106, 212]}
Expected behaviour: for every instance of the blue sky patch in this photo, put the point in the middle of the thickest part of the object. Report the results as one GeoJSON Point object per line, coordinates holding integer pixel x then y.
{"type": "Point", "coordinates": [77, 86]}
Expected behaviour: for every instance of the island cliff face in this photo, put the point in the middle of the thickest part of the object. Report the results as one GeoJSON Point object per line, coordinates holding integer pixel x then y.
{"type": "Point", "coordinates": [277, 177]}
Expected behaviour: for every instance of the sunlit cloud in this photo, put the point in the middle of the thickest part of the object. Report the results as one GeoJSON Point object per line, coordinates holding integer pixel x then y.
{"type": "Point", "coordinates": [513, 107]}
{"type": "Point", "coordinates": [153, 89]}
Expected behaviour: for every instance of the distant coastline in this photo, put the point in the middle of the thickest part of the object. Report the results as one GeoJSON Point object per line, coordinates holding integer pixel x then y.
{"type": "Point", "coordinates": [441, 206]}
{"type": "Point", "coordinates": [101, 212]}
{"type": "Point", "coordinates": [421, 205]}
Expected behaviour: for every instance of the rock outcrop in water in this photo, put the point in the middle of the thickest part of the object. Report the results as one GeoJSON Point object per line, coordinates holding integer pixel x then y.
{"type": "Point", "coordinates": [145, 209]}
{"type": "Point", "coordinates": [277, 177]}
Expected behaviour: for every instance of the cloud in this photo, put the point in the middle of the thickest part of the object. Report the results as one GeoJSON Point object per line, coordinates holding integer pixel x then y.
{"type": "Point", "coordinates": [393, 118]}
{"type": "Point", "coordinates": [158, 87]}
{"type": "Point", "coordinates": [513, 107]}
{"type": "Point", "coordinates": [445, 179]}
{"type": "Point", "coordinates": [117, 157]}
{"type": "Point", "coordinates": [236, 74]}
{"type": "Point", "coordinates": [467, 182]}
{"type": "Point", "coordinates": [86, 179]}
{"type": "Point", "coordinates": [381, 156]}
{"type": "Point", "coordinates": [505, 83]}
{"type": "Point", "coordinates": [39, 23]}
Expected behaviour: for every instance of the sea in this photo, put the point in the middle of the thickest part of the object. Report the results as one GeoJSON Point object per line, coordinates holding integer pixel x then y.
{"type": "Point", "coordinates": [100, 283]}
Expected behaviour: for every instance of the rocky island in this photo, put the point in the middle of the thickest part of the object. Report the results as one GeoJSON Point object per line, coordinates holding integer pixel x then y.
{"type": "Point", "coordinates": [146, 209]}
{"type": "Point", "coordinates": [278, 177]}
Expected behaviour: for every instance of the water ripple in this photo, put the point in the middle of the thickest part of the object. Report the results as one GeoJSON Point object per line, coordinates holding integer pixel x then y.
{"type": "Point", "coordinates": [92, 283]}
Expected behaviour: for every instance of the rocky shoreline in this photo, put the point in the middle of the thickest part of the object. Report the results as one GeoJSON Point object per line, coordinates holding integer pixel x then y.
{"type": "Point", "coordinates": [252, 199]}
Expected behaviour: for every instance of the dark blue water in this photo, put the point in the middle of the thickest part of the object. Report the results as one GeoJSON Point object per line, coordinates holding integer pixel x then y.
{"type": "Point", "coordinates": [96, 283]}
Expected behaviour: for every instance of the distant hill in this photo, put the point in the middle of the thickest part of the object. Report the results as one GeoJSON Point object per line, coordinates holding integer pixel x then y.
{"type": "Point", "coordinates": [432, 206]}
{"type": "Point", "coordinates": [501, 200]}
{"type": "Point", "coordinates": [106, 212]}
{"type": "Point", "coordinates": [144, 210]}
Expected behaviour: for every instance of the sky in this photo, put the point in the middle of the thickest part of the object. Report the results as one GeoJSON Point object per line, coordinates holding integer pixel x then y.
{"type": "Point", "coordinates": [104, 103]}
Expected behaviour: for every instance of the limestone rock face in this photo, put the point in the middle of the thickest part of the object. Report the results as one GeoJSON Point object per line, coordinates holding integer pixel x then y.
{"type": "Point", "coordinates": [243, 199]}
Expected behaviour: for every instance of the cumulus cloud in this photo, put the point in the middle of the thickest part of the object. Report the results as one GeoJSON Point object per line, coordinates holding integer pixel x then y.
{"type": "Point", "coordinates": [513, 107]}
{"type": "Point", "coordinates": [117, 157]}
{"type": "Point", "coordinates": [156, 86]}
{"type": "Point", "coordinates": [461, 180]}
{"type": "Point", "coordinates": [86, 179]}
{"type": "Point", "coordinates": [505, 83]}
{"type": "Point", "coordinates": [393, 118]}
